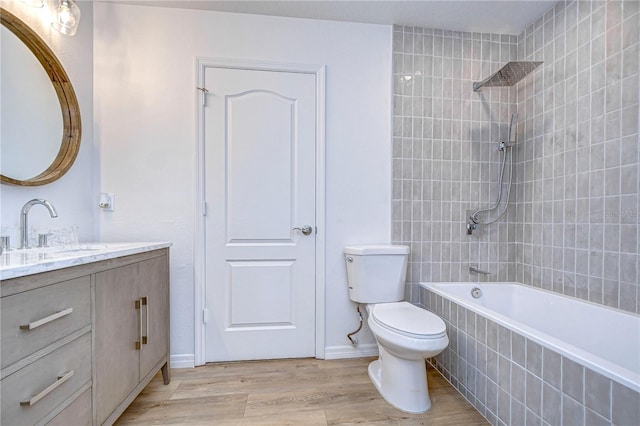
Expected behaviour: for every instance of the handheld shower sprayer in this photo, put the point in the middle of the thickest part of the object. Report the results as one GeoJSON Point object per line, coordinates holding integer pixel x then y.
{"type": "Point", "coordinates": [511, 137]}
{"type": "Point", "coordinates": [474, 219]}
{"type": "Point", "coordinates": [513, 127]}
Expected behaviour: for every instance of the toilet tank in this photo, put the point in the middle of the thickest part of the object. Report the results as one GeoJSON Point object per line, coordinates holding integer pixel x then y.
{"type": "Point", "coordinates": [376, 273]}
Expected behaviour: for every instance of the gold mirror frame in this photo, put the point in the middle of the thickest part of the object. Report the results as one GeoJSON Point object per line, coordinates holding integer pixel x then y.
{"type": "Point", "coordinates": [71, 125]}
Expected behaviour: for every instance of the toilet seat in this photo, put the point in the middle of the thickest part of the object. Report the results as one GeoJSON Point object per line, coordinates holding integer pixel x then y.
{"type": "Point", "coordinates": [408, 320]}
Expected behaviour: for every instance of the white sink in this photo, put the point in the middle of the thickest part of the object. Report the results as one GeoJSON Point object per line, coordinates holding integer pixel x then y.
{"type": "Point", "coordinates": [81, 248]}
{"type": "Point", "coordinates": [72, 248]}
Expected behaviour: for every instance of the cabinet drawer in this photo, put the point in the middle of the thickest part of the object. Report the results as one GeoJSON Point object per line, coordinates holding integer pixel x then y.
{"type": "Point", "coordinates": [36, 318]}
{"type": "Point", "coordinates": [78, 413]}
{"type": "Point", "coordinates": [40, 384]}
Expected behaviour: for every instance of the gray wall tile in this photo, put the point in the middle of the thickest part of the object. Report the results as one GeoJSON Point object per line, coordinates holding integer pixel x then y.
{"type": "Point", "coordinates": [552, 368]}
{"type": "Point", "coordinates": [551, 404]}
{"type": "Point", "coordinates": [534, 358]}
{"type": "Point", "coordinates": [534, 394]}
{"type": "Point", "coordinates": [519, 349]}
{"type": "Point", "coordinates": [573, 379]}
{"type": "Point", "coordinates": [597, 393]}
{"type": "Point", "coordinates": [593, 419]}
{"type": "Point", "coordinates": [572, 411]}
{"type": "Point", "coordinates": [625, 405]}
{"type": "Point", "coordinates": [577, 148]}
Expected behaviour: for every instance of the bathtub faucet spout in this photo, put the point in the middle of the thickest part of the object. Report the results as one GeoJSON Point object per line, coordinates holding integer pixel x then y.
{"type": "Point", "coordinates": [473, 269]}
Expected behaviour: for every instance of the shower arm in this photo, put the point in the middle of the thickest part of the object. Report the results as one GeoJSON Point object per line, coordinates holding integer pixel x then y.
{"type": "Point", "coordinates": [478, 84]}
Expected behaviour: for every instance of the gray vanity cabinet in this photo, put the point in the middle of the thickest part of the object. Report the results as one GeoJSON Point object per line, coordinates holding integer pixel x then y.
{"type": "Point", "coordinates": [131, 333]}
{"type": "Point", "coordinates": [80, 343]}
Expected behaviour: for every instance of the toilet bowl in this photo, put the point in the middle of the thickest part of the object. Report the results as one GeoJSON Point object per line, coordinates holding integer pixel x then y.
{"type": "Point", "coordinates": [405, 334]}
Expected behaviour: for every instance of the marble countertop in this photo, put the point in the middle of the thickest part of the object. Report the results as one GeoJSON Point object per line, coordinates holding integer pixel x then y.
{"type": "Point", "coordinates": [19, 263]}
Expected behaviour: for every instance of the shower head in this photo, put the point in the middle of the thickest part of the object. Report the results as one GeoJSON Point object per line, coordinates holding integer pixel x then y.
{"type": "Point", "coordinates": [508, 75]}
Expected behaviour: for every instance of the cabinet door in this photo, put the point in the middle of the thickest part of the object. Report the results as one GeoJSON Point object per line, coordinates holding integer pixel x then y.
{"type": "Point", "coordinates": [116, 331]}
{"type": "Point", "coordinates": [153, 275]}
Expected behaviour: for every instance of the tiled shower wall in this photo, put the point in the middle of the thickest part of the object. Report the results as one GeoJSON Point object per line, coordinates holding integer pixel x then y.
{"type": "Point", "coordinates": [445, 152]}
{"type": "Point", "coordinates": [573, 225]}
{"type": "Point", "coordinates": [578, 170]}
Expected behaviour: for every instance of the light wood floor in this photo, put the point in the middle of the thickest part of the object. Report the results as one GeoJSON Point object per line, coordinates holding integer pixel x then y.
{"type": "Point", "coordinates": [287, 392]}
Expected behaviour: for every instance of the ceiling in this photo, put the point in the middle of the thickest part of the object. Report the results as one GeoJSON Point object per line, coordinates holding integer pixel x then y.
{"type": "Point", "coordinates": [501, 17]}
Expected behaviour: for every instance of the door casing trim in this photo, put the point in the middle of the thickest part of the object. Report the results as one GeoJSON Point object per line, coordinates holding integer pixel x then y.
{"type": "Point", "coordinates": [199, 240]}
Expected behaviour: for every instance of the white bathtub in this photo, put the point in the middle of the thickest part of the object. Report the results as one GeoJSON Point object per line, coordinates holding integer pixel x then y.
{"type": "Point", "coordinates": [602, 339]}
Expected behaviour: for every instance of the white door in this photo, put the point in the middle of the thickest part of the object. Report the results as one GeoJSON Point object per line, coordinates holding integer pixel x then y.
{"type": "Point", "coordinates": [260, 131]}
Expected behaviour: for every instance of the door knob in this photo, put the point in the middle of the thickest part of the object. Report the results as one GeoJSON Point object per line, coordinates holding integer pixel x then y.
{"type": "Point", "coordinates": [306, 229]}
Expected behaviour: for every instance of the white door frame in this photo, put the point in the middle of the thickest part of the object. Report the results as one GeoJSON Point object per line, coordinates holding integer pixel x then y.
{"type": "Point", "coordinates": [199, 240]}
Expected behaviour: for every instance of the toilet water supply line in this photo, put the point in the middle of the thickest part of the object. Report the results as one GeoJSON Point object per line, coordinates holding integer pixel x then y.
{"type": "Point", "coordinates": [354, 342]}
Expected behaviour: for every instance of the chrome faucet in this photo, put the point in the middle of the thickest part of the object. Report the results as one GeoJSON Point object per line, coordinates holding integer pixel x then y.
{"type": "Point", "coordinates": [24, 222]}
{"type": "Point", "coordinates": [473, 269]}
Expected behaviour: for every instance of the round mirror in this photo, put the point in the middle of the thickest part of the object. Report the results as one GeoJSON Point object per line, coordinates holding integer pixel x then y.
{"type": "Point", "coordinates": [40, 132]}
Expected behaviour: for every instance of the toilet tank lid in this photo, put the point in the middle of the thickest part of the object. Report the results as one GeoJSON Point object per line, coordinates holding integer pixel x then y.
{"type": "Point", "coordinates": [368, 249]}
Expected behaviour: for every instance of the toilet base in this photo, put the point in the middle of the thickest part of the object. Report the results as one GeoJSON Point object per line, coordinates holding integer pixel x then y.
{"type": "Point", "coordinates": [401, 382]}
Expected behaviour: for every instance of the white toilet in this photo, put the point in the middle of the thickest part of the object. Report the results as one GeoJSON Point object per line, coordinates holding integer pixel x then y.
{"type": "Point", "coordinates": [406, 334]}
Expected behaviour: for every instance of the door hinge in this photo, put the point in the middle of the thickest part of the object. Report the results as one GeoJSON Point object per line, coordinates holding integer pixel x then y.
{"type": "Point", "coordinates": [204, 95]}
{"type": "Point", "coordinates": [204, 208]}
{"type": "Point", "coordinates": [205, 315]}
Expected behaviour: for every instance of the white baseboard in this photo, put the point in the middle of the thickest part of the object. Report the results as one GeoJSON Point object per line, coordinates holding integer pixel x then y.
{"type": "Point", "coordinates": [182, 361]}
{"type": "Point", "coordinates": [331, 352]}
{"type": "Point", "coordinates": [347, 351]}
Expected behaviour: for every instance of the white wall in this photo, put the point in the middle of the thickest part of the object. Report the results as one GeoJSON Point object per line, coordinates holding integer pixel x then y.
{"type": "Point", "coordinates": [145, 104]}
{"type": "Point", "coordinates": [72, 195]}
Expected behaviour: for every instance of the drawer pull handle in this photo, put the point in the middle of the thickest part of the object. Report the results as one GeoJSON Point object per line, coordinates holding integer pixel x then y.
{"type": "Point", "coordinates": [138, 344]}
{"type": "Point", "coordinates": [61, 379]}
{"type": "Point", "coordinates": [46, 320]}
{"type": "Point", "coordinates": [145, 336]}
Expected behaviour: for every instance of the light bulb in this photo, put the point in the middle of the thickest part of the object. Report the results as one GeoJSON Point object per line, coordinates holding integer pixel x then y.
{"type": "Point", "coordinates": [66, 17]}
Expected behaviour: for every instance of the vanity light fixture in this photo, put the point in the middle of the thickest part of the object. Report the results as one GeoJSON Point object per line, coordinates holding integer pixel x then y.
{"type": "Point", "coordinates": [65, 16]}
{"type": "Point", "coordinates": [34, 3]}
